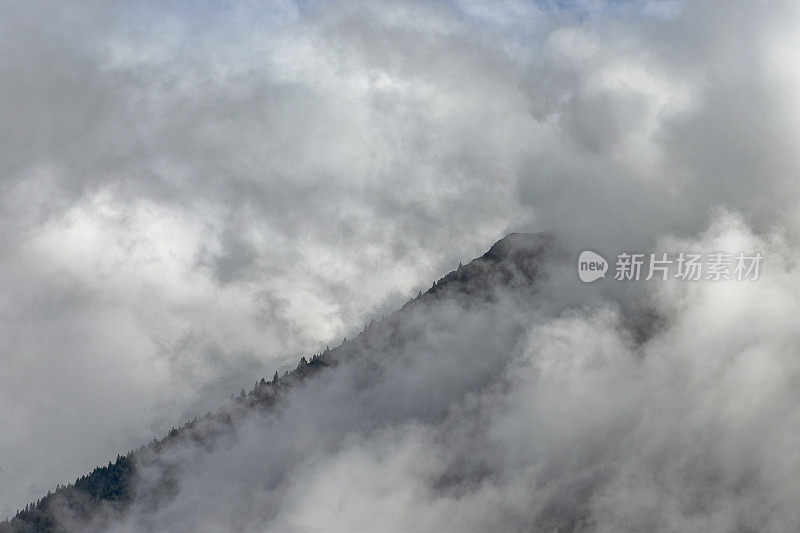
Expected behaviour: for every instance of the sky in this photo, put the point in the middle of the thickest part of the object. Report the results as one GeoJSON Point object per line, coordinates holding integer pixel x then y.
{"type": "Point", "coordinates": [195, 195]}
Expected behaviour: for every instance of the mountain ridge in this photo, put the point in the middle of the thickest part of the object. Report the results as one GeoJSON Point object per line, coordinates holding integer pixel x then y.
{"type": "Point", "coordinates": [515, 261]}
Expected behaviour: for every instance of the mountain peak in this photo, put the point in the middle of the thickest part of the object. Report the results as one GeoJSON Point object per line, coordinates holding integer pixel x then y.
{"type": "Point", "coordinates": [514, 262]}
{"type": "Point", "coordinates": [515, 259]}
{"type": "Point", "coordinates": [514, 245]}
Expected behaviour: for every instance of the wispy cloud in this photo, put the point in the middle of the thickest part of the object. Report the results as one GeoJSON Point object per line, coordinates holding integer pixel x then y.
{"type": "Point", "coordinates": [191, 197]}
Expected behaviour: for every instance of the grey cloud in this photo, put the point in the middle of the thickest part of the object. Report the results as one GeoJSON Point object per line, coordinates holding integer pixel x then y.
{"type": "Point", "coordinates": [514, 413]}
{"type": "Point", "coordinates": [192, 197]}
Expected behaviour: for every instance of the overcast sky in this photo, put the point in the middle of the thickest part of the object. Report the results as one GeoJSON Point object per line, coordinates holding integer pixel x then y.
{"type": "Point", "coordinates": [193, 195]}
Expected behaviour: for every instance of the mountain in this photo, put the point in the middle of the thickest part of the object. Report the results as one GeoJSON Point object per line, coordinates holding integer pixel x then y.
{"type": "Point", "coordinates": [393, 361]}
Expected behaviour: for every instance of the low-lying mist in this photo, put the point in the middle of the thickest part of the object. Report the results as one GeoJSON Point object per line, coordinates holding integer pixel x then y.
{"type": "Point", "coordinates": [502, 410]}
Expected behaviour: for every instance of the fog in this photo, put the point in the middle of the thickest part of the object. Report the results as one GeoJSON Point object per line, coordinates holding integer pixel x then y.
{"type": "Point", "coordinates": [192, 197]}
{"type": "Point", "coordinates": [515, 412]}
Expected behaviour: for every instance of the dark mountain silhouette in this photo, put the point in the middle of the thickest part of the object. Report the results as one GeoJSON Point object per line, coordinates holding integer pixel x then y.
{"type": "Point", "coordinates": [513, 264]}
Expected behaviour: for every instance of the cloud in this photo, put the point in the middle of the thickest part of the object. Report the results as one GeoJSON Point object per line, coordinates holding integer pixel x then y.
{"type": "Point", "coordinates": [192, 197]}
{"type": "Point", "coordinates": [516, 413]}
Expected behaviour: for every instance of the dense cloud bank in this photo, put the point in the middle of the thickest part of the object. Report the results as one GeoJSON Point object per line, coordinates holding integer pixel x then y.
{"type": "Point", "coordinates": [502, 410]}
{"type": "Point", "coordinates": [192, 196]}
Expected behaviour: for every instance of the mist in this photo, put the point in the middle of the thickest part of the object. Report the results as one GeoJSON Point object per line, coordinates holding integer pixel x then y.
{"type": "Point", "coordinates": [515, 413]}
{"type": "Point", "coordinates": [193, 197]}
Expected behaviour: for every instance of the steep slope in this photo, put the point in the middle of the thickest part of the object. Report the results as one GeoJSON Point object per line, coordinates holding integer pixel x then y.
{"type": "Point", "coordinates": [149, 475]}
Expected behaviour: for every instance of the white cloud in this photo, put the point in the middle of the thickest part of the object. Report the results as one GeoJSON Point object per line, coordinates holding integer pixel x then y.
{"type": "Point", "coordinates": [191, 198]}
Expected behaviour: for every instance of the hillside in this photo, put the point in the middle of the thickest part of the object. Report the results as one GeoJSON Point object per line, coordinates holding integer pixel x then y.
{"type": "Point", "coordinates": [510, 267]}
